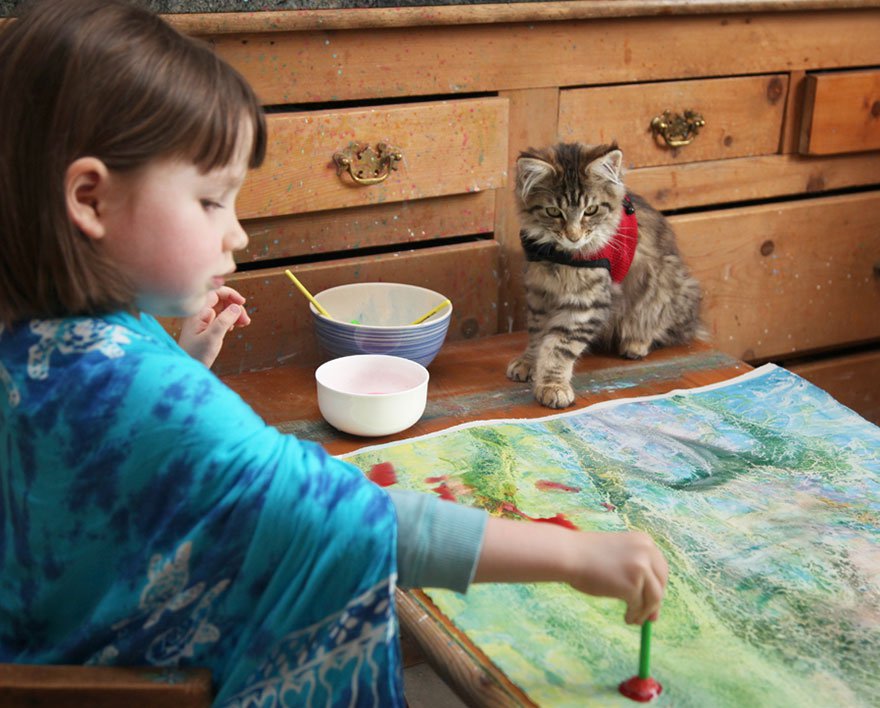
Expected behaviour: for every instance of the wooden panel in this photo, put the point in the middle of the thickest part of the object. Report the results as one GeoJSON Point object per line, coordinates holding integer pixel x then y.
{"type": "Point", "coordinates": [787, 277]}
{"type": "Point", "coordinates": [282, 329]}
{"type": "Point", "coordinates": [449, 147]}
{"type": "Point", "coordinates": [381, 225]}
{"type": "Point", "coordinates": [297, 67]}
{"type": "Point", "coordinates": [30, 686]}
{"type": "Point", "coordinates": [791, 123]}
{"type": "Point", "coordinates": [492, 13]}
{"type": "Point", "coordinates": [743, 117]}
{"type": "Point", "coordinates": [853, 380]}
{"type": "Point", "coordinates": [533, 116]}
{"type": "Point", "coordinates": [748, 178]}
{"type": "Point", "coordinates": [841, 112]}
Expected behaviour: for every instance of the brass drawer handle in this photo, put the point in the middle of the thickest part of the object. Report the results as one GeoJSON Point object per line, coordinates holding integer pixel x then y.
{"type": "Point", "coordinates": [365, 165]}
{"type": "Point", "coordinates": [677, 130]}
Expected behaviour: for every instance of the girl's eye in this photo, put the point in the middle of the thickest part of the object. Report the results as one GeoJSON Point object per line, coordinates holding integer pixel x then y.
{"type": "Point", "coordinates": [210, 204]}
{"type": "Point", "coordinates": [592, 209]}
{"type": "Point", "coordinates": [553, 211]}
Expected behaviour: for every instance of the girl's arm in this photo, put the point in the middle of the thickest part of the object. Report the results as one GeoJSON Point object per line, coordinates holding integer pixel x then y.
{"type": "Point", "coordinates": [626, 565]}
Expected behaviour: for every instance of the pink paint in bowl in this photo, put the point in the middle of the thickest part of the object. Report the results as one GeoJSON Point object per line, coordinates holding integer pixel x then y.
{"type": "Point", "coordinates": [372, 394]}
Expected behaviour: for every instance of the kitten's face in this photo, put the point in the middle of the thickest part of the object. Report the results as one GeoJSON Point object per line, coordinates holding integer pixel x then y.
{"type": "Point", "coordinates": [571, 195]}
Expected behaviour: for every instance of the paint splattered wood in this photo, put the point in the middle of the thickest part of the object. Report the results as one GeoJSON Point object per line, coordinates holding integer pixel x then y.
{"type": "Point", "coordinates": [447, 147]}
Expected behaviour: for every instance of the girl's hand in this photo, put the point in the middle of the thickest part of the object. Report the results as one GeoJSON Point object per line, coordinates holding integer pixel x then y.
{"type": "Point", "coordinates": [626, 565]}
{"type": "Point", "coordinates": [202, 334]}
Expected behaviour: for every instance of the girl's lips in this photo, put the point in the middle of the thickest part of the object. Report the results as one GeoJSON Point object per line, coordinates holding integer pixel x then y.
{"type": "Point", "coordinates": [217, 281]}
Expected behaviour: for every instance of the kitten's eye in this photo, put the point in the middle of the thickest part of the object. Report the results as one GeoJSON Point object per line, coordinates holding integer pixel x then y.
{"type": "Point", "coordinates": [553, 211]}
{"type": "Point", "coordinates": [592, 209]}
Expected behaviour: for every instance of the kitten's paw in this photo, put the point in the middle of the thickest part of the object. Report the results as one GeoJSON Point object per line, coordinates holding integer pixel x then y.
{"type": "Point", "coordinates": [554, 395]}
{"type": "Point", "coordinates": [634, 350]}
{"type": "Point", "coordinates": [520, 369]}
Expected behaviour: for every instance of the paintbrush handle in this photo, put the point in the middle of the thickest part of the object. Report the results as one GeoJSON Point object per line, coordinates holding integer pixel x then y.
{"type": "Point", "coordinates": [302, 289]}
{"type": "Point", "coordinates": [645, 651]}
{"type": "Point", "coordinates": [430, 312]}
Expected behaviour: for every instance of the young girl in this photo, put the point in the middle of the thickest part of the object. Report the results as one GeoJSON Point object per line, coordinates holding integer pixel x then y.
{"type": "Point", "coordinates": [147, 514]}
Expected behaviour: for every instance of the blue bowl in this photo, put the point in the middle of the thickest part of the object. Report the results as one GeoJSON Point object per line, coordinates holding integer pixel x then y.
{"type": "Point", "coordinates": [374, 318]}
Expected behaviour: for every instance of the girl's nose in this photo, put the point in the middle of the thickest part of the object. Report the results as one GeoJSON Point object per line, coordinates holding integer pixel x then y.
{"type": "Point", "coordinates": [236, 237]}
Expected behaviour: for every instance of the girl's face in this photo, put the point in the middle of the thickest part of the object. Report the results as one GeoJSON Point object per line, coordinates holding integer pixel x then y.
{"type": "Point", "coordinates": [172, 230]}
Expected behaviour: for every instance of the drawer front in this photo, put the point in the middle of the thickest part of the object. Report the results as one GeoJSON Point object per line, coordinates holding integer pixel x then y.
{"type": "Point", "coordinates": [343, 230]}
{"type": "Point", "coordinates": [743, 116]}
{"type": "Point", "coordinates": [841, 112]}
{"type": "Point", "coordinates": [447, 147]}
{"type": "Point", "coordinates": [281, 331]}
{"type": "Point", "coordinates": [786, 278]}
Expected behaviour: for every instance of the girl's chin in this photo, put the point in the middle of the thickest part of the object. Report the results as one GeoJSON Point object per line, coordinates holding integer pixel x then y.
{"type": "Point", "coordinates": [170, 306]}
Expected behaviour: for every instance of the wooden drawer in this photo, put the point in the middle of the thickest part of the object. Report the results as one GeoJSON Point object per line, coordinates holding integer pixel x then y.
{"type": "Point", "coordinates": [281, 331]}
{"type": "Point", "coordinates": [448, 147]}
{"type": "Point", "coordinates": [342, 230]}
{"type": "Point", "coordinates": [743, 116]}
{"type": "Point", "coordinates": [786, 278]}
{"type": "Point", "coordinates": [841, 112]}
{"type": "Point", "coordinates": [854, 380]}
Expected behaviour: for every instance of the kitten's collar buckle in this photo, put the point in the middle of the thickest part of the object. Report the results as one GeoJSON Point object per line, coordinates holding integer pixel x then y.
{"type": "Point", "coordinates": [616, 256]}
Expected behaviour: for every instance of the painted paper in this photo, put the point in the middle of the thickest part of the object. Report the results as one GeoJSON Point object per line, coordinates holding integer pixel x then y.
{"type": "Point", "coordinates": [764, 495]}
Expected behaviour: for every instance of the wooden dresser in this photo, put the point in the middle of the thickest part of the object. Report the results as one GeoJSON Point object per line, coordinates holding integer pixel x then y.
{"type": "Point", "coordinates": [754, 125]}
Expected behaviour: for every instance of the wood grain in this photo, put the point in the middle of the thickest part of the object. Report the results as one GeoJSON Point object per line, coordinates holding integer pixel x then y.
{"type": "Point", "coordinates": [791, 277]}
{"type": "Point", "coordinates": [347, 230]}
{"type": "Point", "coordinates": [841, 112]}
{"type": "Point", "coordinates": [491, 13]}
{"type": "Point", "coordinates": [743, 117]}
{"type": "Point", "coordinates": [533, 119]}
{"type": "Point", "coordinates": [751, 178]}
{"type": "Point", "coordinates": [448, 147]}
{"type": "Point", "coordinates": [26, 686]}
{"type": "Point", "coordinates": [297, 67]}
{"type": "Point", "coordinates": [468, 382]}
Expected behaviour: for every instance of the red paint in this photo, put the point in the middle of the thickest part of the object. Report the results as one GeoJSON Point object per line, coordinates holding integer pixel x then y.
{"type": "Point", "coordinates": [546, 485]}
{"type": "Point", "coordinates": [609, 506]}
{"type": "Point", "coordinates": [640, 689]}
{"type": "Point", "coordinates": [559, 519]}
{"type": "Point", "coordinates": [435, 480]}
{"type": "Point", "coordinates": [445, 492]}
{"type": "Point", "coordinates": [383, 474]}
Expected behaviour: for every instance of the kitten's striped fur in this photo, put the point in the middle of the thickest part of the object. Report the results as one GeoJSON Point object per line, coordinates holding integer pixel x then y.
{"type": "Point", "coordinates": [570, 197]}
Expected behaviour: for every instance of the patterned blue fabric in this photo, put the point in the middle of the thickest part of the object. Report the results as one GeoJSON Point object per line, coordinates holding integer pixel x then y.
{"type": "Point", "coordinates": [149, 516]}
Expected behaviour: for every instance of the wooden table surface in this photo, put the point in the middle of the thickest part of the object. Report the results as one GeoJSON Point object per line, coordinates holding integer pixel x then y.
{"type": "Point", "coordinates": [468, 383]}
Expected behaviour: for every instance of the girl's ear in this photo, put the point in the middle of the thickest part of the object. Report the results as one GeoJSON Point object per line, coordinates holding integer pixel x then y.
{"type": "Point", "coordinates": [86, 184]}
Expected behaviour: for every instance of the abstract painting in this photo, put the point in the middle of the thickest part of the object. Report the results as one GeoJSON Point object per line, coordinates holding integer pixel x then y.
{"type": "Point", "coordinates": [762, 491]}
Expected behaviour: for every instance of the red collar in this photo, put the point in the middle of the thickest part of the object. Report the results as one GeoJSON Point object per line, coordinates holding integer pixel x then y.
{"type": "Point", "coordinates": [621, 249]}
{"type": "Point", "coordinates": [616, 256]}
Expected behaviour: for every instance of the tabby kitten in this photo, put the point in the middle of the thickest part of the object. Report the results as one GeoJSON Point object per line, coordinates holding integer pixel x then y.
{"type": "Point", "coordinates": [602, 268]}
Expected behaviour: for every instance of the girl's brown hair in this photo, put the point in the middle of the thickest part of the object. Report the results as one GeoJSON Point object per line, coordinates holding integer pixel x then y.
{"type": "Point", "coordinates": [105, 79]}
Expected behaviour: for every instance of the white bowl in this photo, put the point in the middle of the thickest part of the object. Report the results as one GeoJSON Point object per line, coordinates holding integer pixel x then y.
{"type": "Point", "coordinates": [372, 394]}
{"type": "Point", "coordinates": [374, 318]}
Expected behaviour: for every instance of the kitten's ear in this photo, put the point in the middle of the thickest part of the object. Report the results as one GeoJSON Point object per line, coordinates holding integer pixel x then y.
{"type": "Point", "coordinates": [529, 172]}
{"type": "Point", "coordinates": [608, 167]}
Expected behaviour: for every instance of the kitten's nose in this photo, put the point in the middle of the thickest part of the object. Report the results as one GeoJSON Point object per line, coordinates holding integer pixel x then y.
{"type": "Point", "coordinates": [573, 235]}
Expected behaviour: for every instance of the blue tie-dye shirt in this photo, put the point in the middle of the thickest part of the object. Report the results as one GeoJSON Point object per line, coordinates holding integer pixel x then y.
{"type": "Point", "coordinates": [149, 516]}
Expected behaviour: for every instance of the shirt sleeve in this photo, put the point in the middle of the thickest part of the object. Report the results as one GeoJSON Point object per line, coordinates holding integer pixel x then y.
{"type": "Point", "coordinates": [438, 542]}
